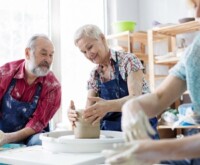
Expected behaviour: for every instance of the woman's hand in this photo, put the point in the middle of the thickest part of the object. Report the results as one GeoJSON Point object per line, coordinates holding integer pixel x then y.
{"type": "Point", "coordinates": [72, 114]}
{"type": "Point", "coordinates": [97, 111]}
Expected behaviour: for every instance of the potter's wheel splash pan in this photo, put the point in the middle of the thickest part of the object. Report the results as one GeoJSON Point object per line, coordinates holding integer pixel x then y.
{"type": "Point", "coordinates": [64, 141]}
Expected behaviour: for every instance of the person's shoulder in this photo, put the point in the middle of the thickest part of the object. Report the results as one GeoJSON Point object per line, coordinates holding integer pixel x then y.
{"type": "Point", "coordinates": [13, 64]}
{"type": "Point", "coordinates": [125, 54]}
{"type": "Point", "coordinates": [192, 50]}
{"type": "Point", "coordinates": [11, 67]}
{"type": "Point", "coordinates": [196, 40]}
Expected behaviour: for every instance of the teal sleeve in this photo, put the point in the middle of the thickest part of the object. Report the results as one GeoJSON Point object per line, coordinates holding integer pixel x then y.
{"type": "Point", "coordinates": [188, 69]}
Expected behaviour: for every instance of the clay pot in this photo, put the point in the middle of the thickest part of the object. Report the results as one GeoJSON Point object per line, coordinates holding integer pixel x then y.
{"type": "Point", "coordinates": [84, 129]}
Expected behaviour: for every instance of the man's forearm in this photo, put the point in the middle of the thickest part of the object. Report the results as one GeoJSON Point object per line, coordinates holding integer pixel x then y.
{"type": "Point", "coordinates": [18, 135]}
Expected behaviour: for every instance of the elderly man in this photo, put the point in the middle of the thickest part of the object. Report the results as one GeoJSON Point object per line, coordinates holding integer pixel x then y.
{"type": "Point", "coordinates": [30, 94]}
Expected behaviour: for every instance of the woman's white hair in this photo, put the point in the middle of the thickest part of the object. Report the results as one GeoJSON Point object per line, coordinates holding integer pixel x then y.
{"type": "Point", "coordinates": [88, 30]}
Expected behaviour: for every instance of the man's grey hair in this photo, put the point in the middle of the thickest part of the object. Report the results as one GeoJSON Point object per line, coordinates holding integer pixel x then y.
{"type": "Point", "coordinates": [89, 30]}
{"type": "Point", "coordinates": [32, 40]}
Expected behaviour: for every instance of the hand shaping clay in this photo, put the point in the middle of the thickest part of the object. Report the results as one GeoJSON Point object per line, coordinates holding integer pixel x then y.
{"type": "Point", "coordinates": [85, 129]}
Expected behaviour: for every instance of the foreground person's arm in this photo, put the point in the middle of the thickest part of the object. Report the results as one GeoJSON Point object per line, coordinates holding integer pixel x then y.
{"type": "Point", "coordinates": [155, 103]}
{"type": "Point", "coordinates": [148, 152]}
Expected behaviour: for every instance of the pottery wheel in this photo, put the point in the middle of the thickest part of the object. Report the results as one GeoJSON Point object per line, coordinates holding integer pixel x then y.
{"type": "Point", "coordinates": [64, 141]}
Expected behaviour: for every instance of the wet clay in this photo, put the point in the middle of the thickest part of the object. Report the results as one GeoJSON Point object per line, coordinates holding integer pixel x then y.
{"type": "Point", "coordinates": [84, 129]}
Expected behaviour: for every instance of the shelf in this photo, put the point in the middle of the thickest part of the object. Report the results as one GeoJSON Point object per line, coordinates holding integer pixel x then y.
{"type": "Point", "coordinates": [181, 28]}
{"type": "Point", "coordinates": [141, 56]}
{"type": "Point", "coordinates": [119, 36]}
{"type": "Point", "coordinates": [170, 33]}
{"type": "Point", "coordinates": [139, 36]}
{"type": "Point", "coordinates": [131, 38]}
{"type": "Point", "coordinates": [177, 127]}
{"type": "Point", "coordinates": [168, 61]}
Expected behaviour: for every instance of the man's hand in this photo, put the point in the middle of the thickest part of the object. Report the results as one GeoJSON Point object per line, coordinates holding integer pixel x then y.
{"type": "Point", "coordinates": [72, 114]}
{"type": "Point", "coordinates": [2, 138]}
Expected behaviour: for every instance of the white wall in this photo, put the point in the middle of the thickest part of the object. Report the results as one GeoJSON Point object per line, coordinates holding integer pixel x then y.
{"type": "Point", "coordinates": [164, 11]}
{"type": "Point", "coordinates": [76, 68]}
{"type": "Point", "coordinates": [144, 12]}
{"type": "Point", "coordinates": [119, 10]}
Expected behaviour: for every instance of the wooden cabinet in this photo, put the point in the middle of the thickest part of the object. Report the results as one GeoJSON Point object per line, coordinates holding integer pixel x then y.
{"type": "Point", "coordinates": [166, 131]}
{"type": "Point", "coordinates": [134, 42]}
{"type": "Point", "coordinates": [129, 38]}
{"type": "Point", "coordinates": [142, 45]}
{"type": "Point", "coordinates": [122, 40]}
{"type": "Point", "coordinates": [169, 34]}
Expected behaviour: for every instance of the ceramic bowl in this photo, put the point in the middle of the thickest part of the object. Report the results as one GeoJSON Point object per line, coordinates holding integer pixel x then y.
{"type": "Point", "coordinates": [187, 19]}
{"type": "Point", "coordinates": [121, 26]}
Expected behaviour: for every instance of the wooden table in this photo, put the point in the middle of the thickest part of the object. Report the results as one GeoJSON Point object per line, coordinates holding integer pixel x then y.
{"type": "Point", "coordinates": [166, 131]}
{"type": "Point", "coordinates": [36, 155]}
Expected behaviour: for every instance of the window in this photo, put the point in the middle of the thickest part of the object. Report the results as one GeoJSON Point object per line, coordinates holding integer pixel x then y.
{"type": "Point", "coordinates": [75, 68]}
{"type": "Point", "coordinates": [58, 19]}
{"type": "Point", "coordinates": [18, 21]}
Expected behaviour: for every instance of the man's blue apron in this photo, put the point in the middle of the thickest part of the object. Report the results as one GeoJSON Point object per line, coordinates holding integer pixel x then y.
{"type": "Point", "coordinates": [15, 114]}
{"type": "Point", "coordinates": [115, 89]}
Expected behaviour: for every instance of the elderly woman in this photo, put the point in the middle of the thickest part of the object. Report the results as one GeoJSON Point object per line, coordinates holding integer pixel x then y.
{"type": "Point", "coordinates": [117, 77]}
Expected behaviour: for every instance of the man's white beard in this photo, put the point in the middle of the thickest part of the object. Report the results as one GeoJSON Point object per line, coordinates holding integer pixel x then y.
{"type": "Point", "coordinates": [36, 70]}
{"type": "Point", "coordinates": [39, 72]}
